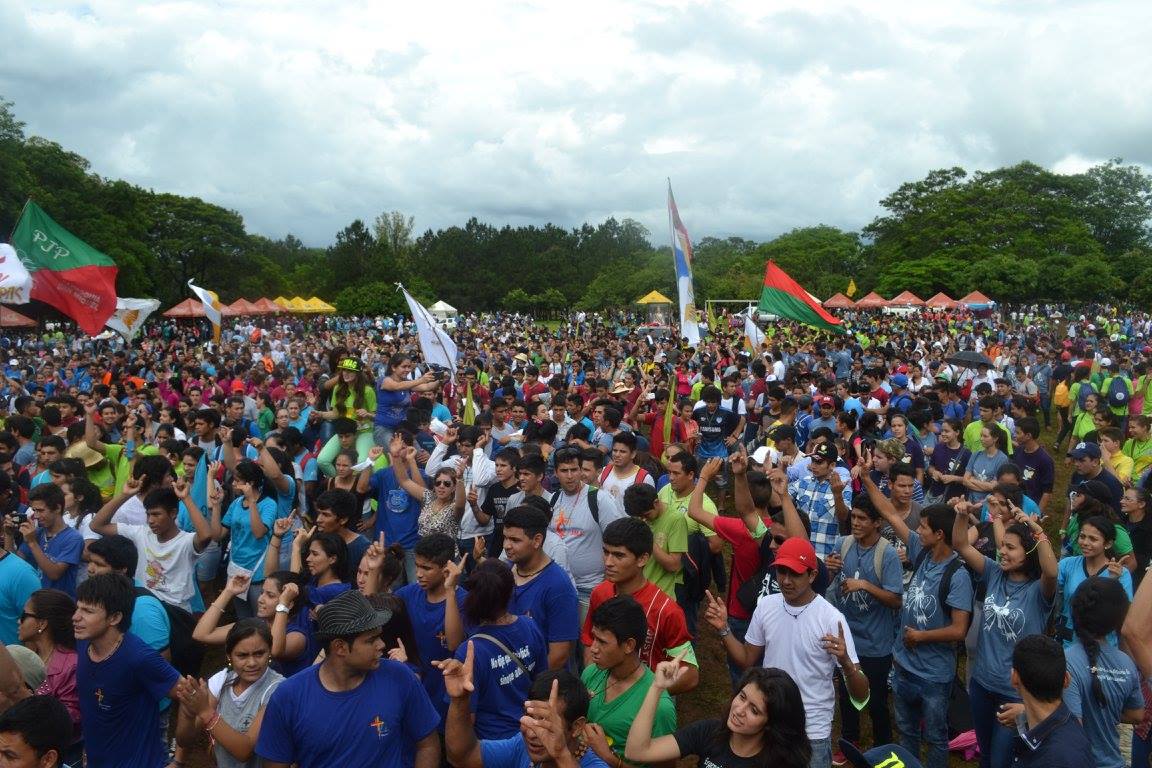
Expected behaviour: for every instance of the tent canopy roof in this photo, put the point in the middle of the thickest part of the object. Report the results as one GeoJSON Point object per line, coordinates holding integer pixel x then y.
{"type": "Point", "coordinates": [441, 306]}
{"type": "Point", "coordinates": [872, 300]}
{"type": "Point", "coordinates": [942, 300]}
{"type": "Point", "coordinates": [839, 301]}
{"type": "Point", "coordinates": [975, 298]}
{"type": "Point", "coordinates": [906, 299]}
{"type": "Point", "coordinates": [655, 297]}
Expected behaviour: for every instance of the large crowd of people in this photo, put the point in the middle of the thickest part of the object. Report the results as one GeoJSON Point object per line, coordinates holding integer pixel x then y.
{"type": "Point", "coordinates": [305, 546]}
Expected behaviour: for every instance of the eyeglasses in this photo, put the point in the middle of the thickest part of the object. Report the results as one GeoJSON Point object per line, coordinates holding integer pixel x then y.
{"type": "Point", "coordinates": [445, 483]}
{"type": "Point", "coordinates": [27, 615]}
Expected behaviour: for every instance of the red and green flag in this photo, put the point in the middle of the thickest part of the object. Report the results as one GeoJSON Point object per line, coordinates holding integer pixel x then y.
{"type": "Point", "coordinates": [67, 273]}
{"type": "Point", "coordinates": [783, 296]}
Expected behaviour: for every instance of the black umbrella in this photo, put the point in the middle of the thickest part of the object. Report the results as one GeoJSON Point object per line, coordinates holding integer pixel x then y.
{"type": "Point", "coordinates": [969, 359]}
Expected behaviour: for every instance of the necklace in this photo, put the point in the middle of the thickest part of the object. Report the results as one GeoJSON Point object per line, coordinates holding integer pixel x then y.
{"type": "Point", "coordinates": [523, 575]}
{"type": "Point", "coordinates": [797, 615]}
{"type": "Point", "coordinates": [108, 655]}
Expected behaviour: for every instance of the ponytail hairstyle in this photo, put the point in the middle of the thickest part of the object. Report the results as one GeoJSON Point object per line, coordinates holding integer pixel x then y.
{"type": "Point", "coordinates": [489, 592]}
{"type": "Point", "coordinates": [1099, 607]}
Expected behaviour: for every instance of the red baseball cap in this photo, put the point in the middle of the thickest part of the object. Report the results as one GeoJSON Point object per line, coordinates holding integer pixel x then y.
{"type": "Point", "coordinates": [797, 555]}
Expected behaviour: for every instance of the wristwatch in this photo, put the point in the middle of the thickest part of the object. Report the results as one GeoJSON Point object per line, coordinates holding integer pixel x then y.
{"type": "Point", "coordinates": [724, 632]}
{"type": "Point", "coordinates": [281, 608]}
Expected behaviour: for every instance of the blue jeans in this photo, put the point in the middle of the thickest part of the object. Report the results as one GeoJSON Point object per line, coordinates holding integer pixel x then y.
{"type": "Point", "coordinates": [994, 739]}
{"type": "Point", "coordinates": [922, 701]}
{"type": "Point", "coordinates": [821, 753]}
{"type": "Point", "coordinates": [1141, 751]}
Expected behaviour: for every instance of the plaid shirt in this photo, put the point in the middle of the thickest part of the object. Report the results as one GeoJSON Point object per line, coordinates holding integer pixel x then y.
{"type": "Point", "coordinates": [815, 499]}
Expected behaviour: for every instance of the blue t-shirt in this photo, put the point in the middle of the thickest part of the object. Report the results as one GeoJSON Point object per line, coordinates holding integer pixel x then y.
{"type": "Point", "coordinates": [397, 512]}
{"type": "Point", "coordinates": [428, 626]}
{"type": "Point", "coordinates": [1120, 681]}
{"type": "Point", "coordinates": [1012, 610]}
{"type": "Point", "coordinates": [935, 662]}
{"type": "Point", "coordinates": [1070, 575]}
{"type": "Point", "coordinates": [511, 753]}
{"type": "Point", "coordinates": [873, 624]}
{"type": "Point", "coordinates": [150, 622]}
{"type": "Point", "coordinates": [392, 407]}
{"type": "Point", "coordinates": [550, 600]}
{"type": "Point", "coordinates": [65, 547]}
{"type": "Point", "coordinates": [375, 724]}
{"type": "Point", "coordinates": [119, 705]}
{"type": "Point", "coordinates": [984, 468]}
{"type": "Point", "coordinates": [501, 687]}
{"type": "Point", "coordinates": [18, 581]}
{"type": "Point", "coordinates": [247, 550]}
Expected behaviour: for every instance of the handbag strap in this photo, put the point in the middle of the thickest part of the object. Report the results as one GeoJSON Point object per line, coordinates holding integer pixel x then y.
{"type": "Point", "coordinates": [506, 650]}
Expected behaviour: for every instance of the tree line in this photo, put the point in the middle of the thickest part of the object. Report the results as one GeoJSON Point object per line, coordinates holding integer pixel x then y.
{"type": "Point", "coordinates": [1020, 233]}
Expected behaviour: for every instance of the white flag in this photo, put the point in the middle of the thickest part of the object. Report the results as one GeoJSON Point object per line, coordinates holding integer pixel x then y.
{"type": "Point", "coordinates": [435, 343]}
{"type": "Point", "coordinates": [211, 302]}
{"type": "Point", "coordinates": [15, 282]}
{"type": "Point", "coordinates": [753, 336]}
{"type": "Point", "coordinates": [130, 315]}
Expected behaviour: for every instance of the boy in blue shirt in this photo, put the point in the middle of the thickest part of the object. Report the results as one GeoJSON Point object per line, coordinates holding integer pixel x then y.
{"type": "Point", "coordinates": [120, 681]}
{"type": "Point", "coordinates": [49, 544]}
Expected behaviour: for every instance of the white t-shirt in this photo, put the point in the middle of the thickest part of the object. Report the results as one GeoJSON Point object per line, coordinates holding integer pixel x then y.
{"type": "Point", "coordinates": [85, 528]}
{"type": "Point", "coordinates": [615, 485]}
{"type": "Point", "coordinates": [131, 512]}
{"type": "Point", "coordinates": [167, 568]}
{"type": "Point", "coordinates": [790, 638]}
{"type": "Point", "coordinates": [572, 521]}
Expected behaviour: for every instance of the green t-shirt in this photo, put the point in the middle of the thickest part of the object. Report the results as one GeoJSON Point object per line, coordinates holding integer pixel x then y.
{"type": "Point", "coordinates": [1122, 546]}
{"type": "Point", "coordinates": [616, 716]}
{"type": "Point", "coordinates": [679, 505]}
{"type": "Point", "coordinates": [972, 437]}
{"type": "Point", "coordinates": [670, 532]}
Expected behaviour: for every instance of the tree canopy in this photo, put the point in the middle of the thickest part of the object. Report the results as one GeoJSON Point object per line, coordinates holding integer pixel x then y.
{"type": "Point", "coordinates": [1015, 233]}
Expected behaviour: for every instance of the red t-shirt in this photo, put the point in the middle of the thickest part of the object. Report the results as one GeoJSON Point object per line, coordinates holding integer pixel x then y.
{"type": "Point", "coordinates": [666, 625]}
{"type": "Point", "coordinates": [533, 391]}
{"type": "Point", "coordinates": [880, 394]}
{"type": "Point", "coordinates": [745, 557]}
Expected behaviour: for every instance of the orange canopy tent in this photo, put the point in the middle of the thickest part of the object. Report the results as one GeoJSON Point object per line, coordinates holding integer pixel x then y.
{"type": "Point", "coordinates": [241, 308]}
{"type": "Point", "coordinates": [267, 306]}
{"type": "Point", "coordinates": [975, 298]}
{"type": "Point", "coordinates": [942, 301]}
{"type": "Point", "coordinates": [839, 301]}
{"type": "Point", "coordinates": [10, 318]}
{"type": "Point", "coordinates": [906, 299]}
{"type": "Point", "coordinates": [872, 301]}
{"type": "Point", "coordinates": [188, 308]}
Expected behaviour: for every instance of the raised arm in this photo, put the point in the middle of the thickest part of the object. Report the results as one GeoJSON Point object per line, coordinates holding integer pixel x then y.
{"type": "Point", "coordinates": [793, 525]}
{"type": "Point", "coordinates": [102, 520]}
{"type": "Point", "coordinates": [968, 553]}
{"type": "Point", "coordinates": [267, 462]}
{"type": "Point", "coordinates": [461, 745]}
{"type": "Point", "coordinates": [696, 509]}
{"type": "Point", "coordinates": [408, 473]}
{"type": "Point", "coordinates": [208, 630]}
{"type": "Point", "coordinates": [200, 524]}
{"type": "Point", "coordinates": [884, 505]}
{"type": "Point", "coordinates": [641, 747]}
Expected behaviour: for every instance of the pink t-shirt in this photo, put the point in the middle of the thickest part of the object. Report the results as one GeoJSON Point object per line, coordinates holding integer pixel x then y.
{"type": "Point", "coordinates": [60, 681]}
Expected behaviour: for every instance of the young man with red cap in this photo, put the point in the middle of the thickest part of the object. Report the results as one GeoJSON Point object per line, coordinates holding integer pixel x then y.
{"type": "Point", "coordinates": [803, 634]}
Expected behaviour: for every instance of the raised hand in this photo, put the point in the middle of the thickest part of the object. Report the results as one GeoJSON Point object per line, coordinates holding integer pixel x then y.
{"type": "Point", "coordinates": [478, 549]}
{"type": "Point", "coordinates": [238, 584]}
{"type": "Point", "coordinates": [836, 645]}
{"type": "Point", "coordinates": [375, 452]}
{"type": "Point", "coordinates": [710, 469]}
{"type": "Point", "coordinates": [738, 461]}
{"type": "Point", "coordinates": [181, 486]}
{"type": "Point", "coordinates": [834, 563]}
{"type": "Point", "coordinates": [399, 653]}
{"type": "Point", "coordinates": [457, 675]}
{"type": "Point", "coordinates": [669, 672]}
{"type": "Point", "coordinates": [453, 570]}
{"type": "Point", "coordinates": [282, 525]}
{"type": "Point", "coordinates": [132, 486]}
{"type": "Point", "coordinates": [715, 613]}
{"type": "Point", "coordinates": [289, 594]}
{"type": "Point", "coordinates": [544, 721]}
{"type": "Point", "coordinates": [374, 555]}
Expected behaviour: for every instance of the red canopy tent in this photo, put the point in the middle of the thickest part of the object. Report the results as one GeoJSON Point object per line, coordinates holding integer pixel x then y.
{"type": "Point", "coordinates": [942, 301]}
{"type": "Point", "coordinates": [267, 306]}
{"type": "Point", "coordinates": [975, 298]}
{"type": "Point", "coordinates": [188, 308]}
{"type": "Point", "coordinates": [839, 301]}
{"type": "Point", "coordinates": [241, 308]}
{"type": "Point", "coordinates": [872, 301]}
{"type": "Point", "coordinates": [906, 299]}
{"type": "Point", "coordinates": [10, 318]}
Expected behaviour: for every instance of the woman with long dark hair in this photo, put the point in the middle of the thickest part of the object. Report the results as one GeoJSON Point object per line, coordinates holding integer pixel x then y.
{"type": "Point", "coordinates": [509, 651]}
{"type": "Point", "coordinates": [1097, 541]}
{"type": "Point", "coordinates": [353, 397]}
{"type": "Point", "coordinates": [1105, 684]}
{"type": "Point", "coordinates": [764, 725]}
{"type": "Point", "coordinates": [46, 628]}
{"type": "Point", "coordinates": [394, 396]}
{"type": "Point", "coordinates": [230, 706]}
{"type": "Point", "coordinates": [1019, 586]}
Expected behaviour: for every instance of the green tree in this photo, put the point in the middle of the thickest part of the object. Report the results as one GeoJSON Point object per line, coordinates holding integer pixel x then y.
{"type": "Point", "coordinates": [1004, 278]}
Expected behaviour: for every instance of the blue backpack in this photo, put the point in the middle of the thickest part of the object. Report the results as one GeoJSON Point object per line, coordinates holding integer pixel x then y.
{"type": "Point", "coordinates": [1086, 389]}
{"type": "Point", "coordinates": [1118, 392]}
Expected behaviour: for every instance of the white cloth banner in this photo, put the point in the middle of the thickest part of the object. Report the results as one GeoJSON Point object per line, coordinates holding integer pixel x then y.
{"type": "Point", "coordinates": [753, 336]}
{"type": "Point", "coordinates": [130, 315]}
{"type": "Point", "coordinates": [435, 343]}
{"type": "Point", "coordinates": [211, 302]}
{"type": "Point", "coordinates": [15, 282]}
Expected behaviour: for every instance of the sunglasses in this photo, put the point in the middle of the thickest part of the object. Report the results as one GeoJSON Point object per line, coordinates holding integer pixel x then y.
{"type": "Point", "coordinates": [24, 616]}
{"type": "Point", "coordinates": [445, 483]}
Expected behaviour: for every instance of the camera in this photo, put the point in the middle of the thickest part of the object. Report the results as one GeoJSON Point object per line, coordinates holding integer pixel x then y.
{"type": "Point", "coordinates": [440, 372]}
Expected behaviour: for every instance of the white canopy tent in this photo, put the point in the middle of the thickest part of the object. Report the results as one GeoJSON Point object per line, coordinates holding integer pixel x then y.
{"type": "Point", "coordinates": [442, 310]}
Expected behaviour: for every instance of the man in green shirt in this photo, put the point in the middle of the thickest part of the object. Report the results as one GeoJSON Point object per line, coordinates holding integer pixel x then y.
{"type": "Point", "coordinates": [988, 407]}
{"type": "Point", "coordinates": [618, 679]}
{"type": "Point", "coordinates": [669, 533]}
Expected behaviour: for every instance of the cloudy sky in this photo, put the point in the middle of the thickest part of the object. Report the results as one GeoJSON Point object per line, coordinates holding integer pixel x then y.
{"type": "Point", "coordinates": [766, 114]}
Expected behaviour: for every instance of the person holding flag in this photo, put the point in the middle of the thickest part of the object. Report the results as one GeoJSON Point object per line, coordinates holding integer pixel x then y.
{"type": "Point", "coordinates": [682, 260]}
{"type": "Point", "coordinates": [213, 309]}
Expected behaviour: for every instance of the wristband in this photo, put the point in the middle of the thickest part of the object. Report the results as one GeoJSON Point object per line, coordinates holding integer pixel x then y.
{"type": "Point", "coordinates": [213, 722]}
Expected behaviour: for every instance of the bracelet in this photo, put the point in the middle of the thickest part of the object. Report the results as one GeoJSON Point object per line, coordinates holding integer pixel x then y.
{"type": "Point", "coordinates": [1039, 537]}
{"type": "Point", "coordinates": [213, 722]}
{"type": "Point", "coordinates": [722, 633]}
